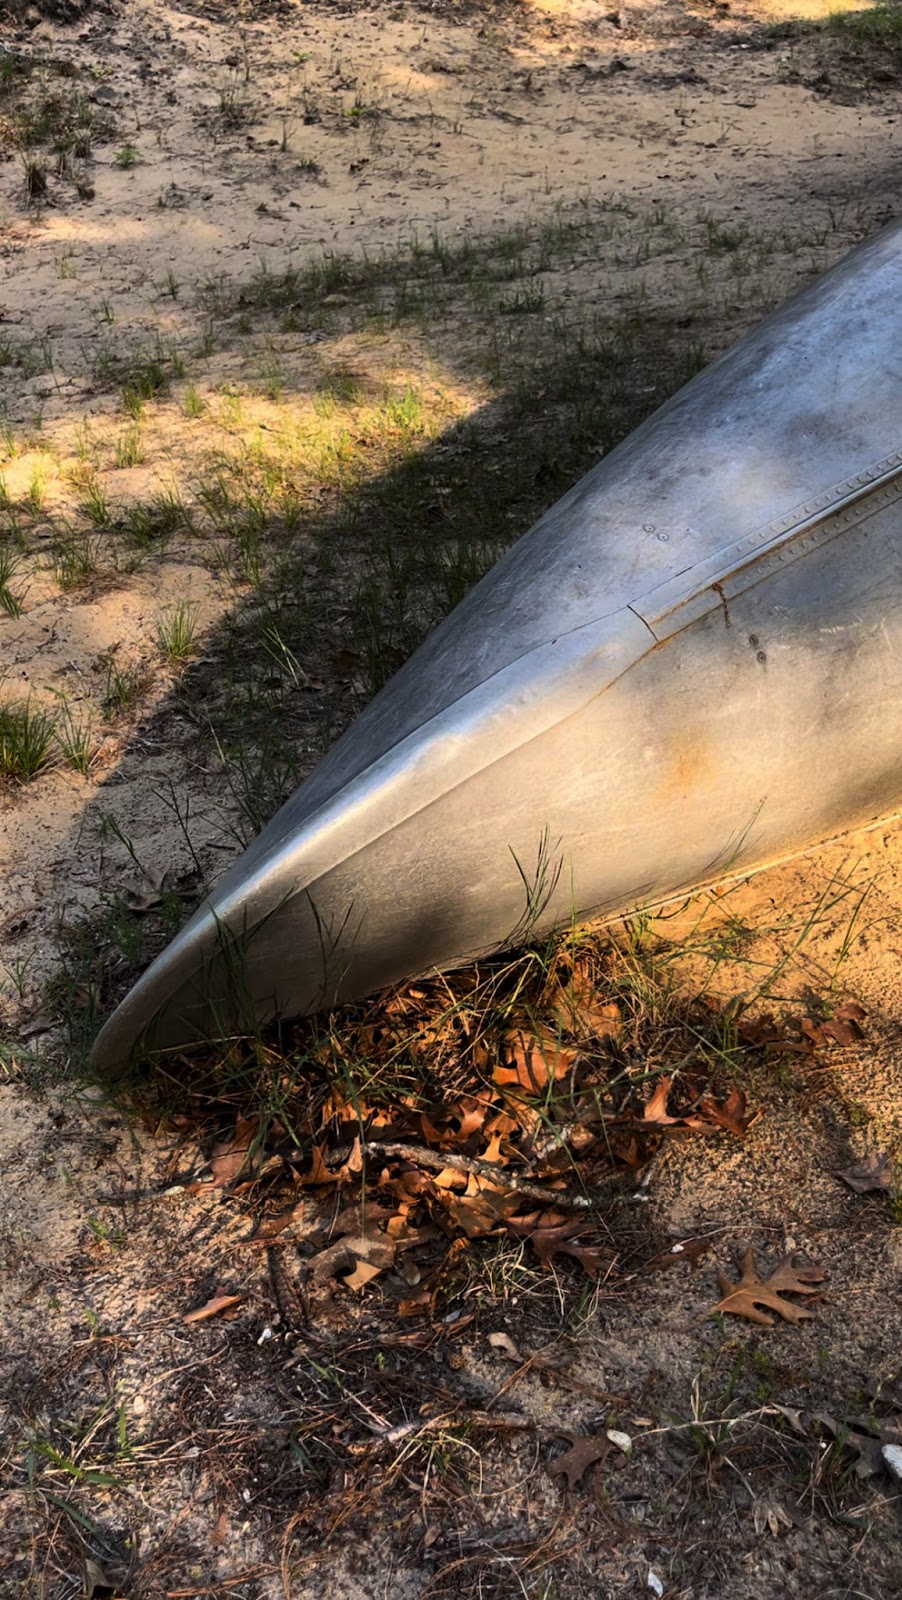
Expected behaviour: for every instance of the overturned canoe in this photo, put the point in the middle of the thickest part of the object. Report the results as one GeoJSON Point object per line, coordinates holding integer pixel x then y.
{"type": "Point", "coordinates": [692, 666]}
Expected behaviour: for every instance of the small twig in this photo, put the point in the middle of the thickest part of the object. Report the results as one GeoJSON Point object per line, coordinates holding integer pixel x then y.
{"type": "Point", "coordinates": [472, 1419]}
{"type": "Point", "coordinates": [553, 1139]}
{"type": "Point", "coordinates": [711, 1422]}
{"type": "Point", "coordinates": [221, 1583]}
{"type": "Point", "coordinates": [505, 1179]}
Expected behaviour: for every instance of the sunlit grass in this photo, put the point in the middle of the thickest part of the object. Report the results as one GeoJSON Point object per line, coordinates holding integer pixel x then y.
{"type": "Point", "coordinates": [880, 23]}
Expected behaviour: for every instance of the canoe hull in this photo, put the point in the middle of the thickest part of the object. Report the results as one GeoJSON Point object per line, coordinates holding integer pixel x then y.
{"type": "Point", "coordinates": [703, 691]}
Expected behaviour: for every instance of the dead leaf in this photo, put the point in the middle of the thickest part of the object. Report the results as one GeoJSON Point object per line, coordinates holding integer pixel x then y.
{"type": "Point", "coordinates": [142, 894]}
{"type": "Point", "coordinates": [419, 1304]}
{"type": "Point", "coordinates": [760, 1032]}
{"type": "Point", "coordinates": [564, 1239]}
{"type": "Point", "coordinates": [39, 1024]}
{"type": "Point", "coordinates": [730, 1114]}
{"type": "Point", "coordinates": [655, 1112]}
{"type": "Point", "coordinates": [579, 1008]}
{"type": "Point", "coordinates": [481, 1207]}
{"type": "Point", "coordinates": [622, 1440]}
{"type": "Point", "coordinates": [405, 1237]}
{"type": "Point", "coordinates": [213, 1308]}
{"type": "Point", "coordinates": [866, 1444]}
{"type": "Point", "coordinates": [355, 1259]}
{"type": "Point", "coordinates": [770, 1514]}
{"type": "Point", "coordinates": [868, 1450]}
{"type": "Point", "coordinates": [231, 1156]}
{"type": "Point", "coordinates": [318, 1172]}
{"type": "Point", "coordinates": [795, 1418]}
{"type": "Point", "coordinates": [708, 1116]}
{"type": "Point", "coordinates": [270, 1227]}
{"type": "Point", "coordinates": [871, 1172]}
{"type": "Point", "coordinates": [345, 662]}
{"type": "Point", "coordinates": [843, 1028]}
{"type": "Point", "coordinates": [584, 1451]}
{"type": "Point", "coordinates": [531, 1061]}
{"type": "Point", "coordinates": [97, 1585]}
{"type": "Point", "coordinates": [746, 1297]}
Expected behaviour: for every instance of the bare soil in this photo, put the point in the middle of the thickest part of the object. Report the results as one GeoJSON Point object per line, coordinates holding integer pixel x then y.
{"type": "Point", "coordinates": [294, 1449]}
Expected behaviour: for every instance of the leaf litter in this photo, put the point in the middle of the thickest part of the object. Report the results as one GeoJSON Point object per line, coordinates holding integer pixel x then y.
{"type": "Point", "coordinates": [517, 1098]}
{"type": "Point", "coordinates": [875, 1443]}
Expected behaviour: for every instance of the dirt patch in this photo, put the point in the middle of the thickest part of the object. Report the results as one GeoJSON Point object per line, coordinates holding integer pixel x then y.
{"type": "Point", "coordinates": [308, 311]}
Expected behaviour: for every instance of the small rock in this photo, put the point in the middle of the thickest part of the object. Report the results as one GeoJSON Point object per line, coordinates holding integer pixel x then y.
{"type": "Point", "coordinates": [621, 1440]}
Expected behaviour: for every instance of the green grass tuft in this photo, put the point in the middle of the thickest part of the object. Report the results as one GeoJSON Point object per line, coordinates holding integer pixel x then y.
{"type": "Point", "coordinates": [177, 632]}
{"type": "Point", "coordinates": [26, 741]}
{"type": "Point", "coordinates": [881, 23]}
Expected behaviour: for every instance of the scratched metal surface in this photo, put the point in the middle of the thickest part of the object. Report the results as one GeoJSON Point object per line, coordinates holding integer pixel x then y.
{"type": "Point", "coordinates": [691, 666]}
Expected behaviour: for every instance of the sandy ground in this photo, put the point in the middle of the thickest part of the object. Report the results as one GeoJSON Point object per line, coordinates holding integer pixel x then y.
{"type": "Point", "coordinates": [268, 134]}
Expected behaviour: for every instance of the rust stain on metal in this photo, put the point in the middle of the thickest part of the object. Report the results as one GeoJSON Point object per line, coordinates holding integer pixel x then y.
{"type": "Point", "coordinates": [686, 765]}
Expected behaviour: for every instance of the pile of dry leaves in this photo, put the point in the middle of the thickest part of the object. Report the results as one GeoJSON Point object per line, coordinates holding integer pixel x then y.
{"type": "Point", "coordinates": [522, 1096]}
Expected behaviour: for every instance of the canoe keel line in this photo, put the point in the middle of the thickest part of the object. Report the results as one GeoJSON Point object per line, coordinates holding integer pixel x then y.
{"type": "Point", "coordinates": [691, 667]}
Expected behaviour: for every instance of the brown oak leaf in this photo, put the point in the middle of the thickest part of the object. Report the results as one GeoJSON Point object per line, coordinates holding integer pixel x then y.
{"type": "Point", "coordinates": [747, 1296]}
{"type": "Point", "coordinates": [531, 1061]}
{"type": "Point", "coordinates": [585, 1450]}
{"type": "Point", "coordinates": [731, 1114]}
{"type": "Point", "coordinates": [579, 1008]}
{"type": "Point", "coordinates": [871, 1172]}
{"type": "Point", "coordinates": [344, 662]}
{"type": "Point", "coordinates": [268, 1228]}
{"type": "Point", "coordinates": [709, 1116]}
{"type": "Point", "coordinates": [565, 1239]}
{"type": "Point", "coordinates": [481, 1208]}
{"type": "Point", "coordinates": [760, 1032]}
{"type": "Point", "coordinates": [357, 1259]}
{"type": "Point", "coordinates": [691, 1250]}
{"type": "Point", "coordinates": [231, 1157]}
{"type": "Point", "coordinates": [843, 1028]}
{"type": "Point", "coordinates": [655, 1113]}
{"type": "Point", "coordinates": [868, 1439]}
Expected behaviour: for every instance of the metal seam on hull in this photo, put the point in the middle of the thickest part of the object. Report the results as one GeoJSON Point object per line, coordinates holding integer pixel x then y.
{"type": "Point", "coordinates": [644, 620]}
{"type": "Point", "coordinates": [291, 871]}
{"type": "Point", "coordinates": [834, 510]}
{"type": "Point", "coordinates": [834, 497]}
{"type": "Point", "coordinates": [335, 812]}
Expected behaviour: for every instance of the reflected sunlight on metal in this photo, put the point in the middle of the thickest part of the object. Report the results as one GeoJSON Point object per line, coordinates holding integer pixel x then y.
{"type": "Point", "coordinates": [691, 667]}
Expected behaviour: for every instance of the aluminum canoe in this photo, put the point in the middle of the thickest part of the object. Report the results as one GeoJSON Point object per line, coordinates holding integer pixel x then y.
{"type": "Point", "coordinates": [689, 668]}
